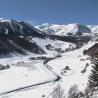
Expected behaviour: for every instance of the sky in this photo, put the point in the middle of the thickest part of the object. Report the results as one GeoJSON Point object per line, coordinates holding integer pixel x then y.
{"type": "Point", "coordinates": [38, 12]}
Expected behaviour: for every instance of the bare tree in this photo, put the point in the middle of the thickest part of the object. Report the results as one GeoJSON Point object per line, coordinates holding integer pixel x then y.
{"type": "Point", "coordinates": [58, 92]}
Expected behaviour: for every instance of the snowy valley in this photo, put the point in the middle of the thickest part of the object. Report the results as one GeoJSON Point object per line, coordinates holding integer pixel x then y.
{"type": "Point", "coordinates": [46, 61]}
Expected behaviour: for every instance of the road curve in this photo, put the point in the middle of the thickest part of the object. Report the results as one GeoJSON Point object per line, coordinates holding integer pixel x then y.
{"type": "Point", "coordinates": [34, 85]}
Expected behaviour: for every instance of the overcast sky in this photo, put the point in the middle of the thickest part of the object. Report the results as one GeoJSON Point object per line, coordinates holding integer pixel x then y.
{"type": "Point", "coordinates": [51, 11]}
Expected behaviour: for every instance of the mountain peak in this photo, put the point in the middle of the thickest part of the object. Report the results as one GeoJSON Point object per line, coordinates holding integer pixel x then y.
{"type": "Point", "coordinates": [45, 24]}
{"type": "Point", "coordinates": [4, 20]}
{"type": "Point", "coordinates": [63, 30]}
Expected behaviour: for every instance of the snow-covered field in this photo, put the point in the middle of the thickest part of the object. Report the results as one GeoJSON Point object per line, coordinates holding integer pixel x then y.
{"type": "Point", "coordinates": [57, 72]}
{"type": "Point", "coordinates": [73, 68]}
{"type": "Point", "coordinates": [55, 44]}
{"type": "Point", "coordinates": [34, 92]}
{"type": "Point", "coordinates": [79, 69]}
{"type": "Point", "coordinates": [30, 75]}
{"type": "Point", "coordinates": [22, 75]}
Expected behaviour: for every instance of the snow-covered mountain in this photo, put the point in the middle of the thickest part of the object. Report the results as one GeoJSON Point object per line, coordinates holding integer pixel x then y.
{"type": "Point", "coordinates": [56, 64]}
{"type": "Point", "coordinates": [21, 37]}
{"type": "Point", "coordinates": [15, 37]}
{"type": "Point", "coordinates": [13, 33]}
{"type": "Point", "coordinates": [13, 27]}
{"type": "Point", "coordinates": [75, 29]}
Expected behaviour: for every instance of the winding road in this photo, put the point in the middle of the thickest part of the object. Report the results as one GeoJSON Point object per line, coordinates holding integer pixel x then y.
{"type": "Point", "coordinates": [57, 78]}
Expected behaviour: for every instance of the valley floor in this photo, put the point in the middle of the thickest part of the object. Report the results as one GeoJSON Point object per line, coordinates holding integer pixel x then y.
{"type": "Point", "coordinates": [38, 79]}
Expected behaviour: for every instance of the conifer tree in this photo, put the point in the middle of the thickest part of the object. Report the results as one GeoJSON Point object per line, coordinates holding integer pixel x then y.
{"type": "Point", "coordinates": [93, 77]}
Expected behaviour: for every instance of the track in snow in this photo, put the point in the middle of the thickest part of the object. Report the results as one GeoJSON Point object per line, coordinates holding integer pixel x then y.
{"type": "Point", "coordinates": [35, 85]}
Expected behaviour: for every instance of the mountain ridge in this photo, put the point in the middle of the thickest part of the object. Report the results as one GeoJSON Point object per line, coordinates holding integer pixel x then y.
{"type": "Point", "coordinates": [19, 36]}
{"type": "Point", "coordinates": [63, 30]}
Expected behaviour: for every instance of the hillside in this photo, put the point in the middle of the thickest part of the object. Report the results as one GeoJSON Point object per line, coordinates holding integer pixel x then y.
{"type": "Point", "coordinates": [50, 61]}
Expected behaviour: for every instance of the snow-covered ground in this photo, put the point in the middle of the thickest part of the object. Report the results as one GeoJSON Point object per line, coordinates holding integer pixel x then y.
{"type": "Point", "coordinates": [62, 30]}
{"type": "Point", "coordinates": [34, 72]}
{"type": "Point", "coordinates": [34, 92]}
{"type": "Point", "coordinates": [27, 78]}
{"type": "Point", "coordinates": [79, 69]}
{"type": "Point", "coordinates": [24, 74]}
{"type": "Point", "coordinates": [55, 44]}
